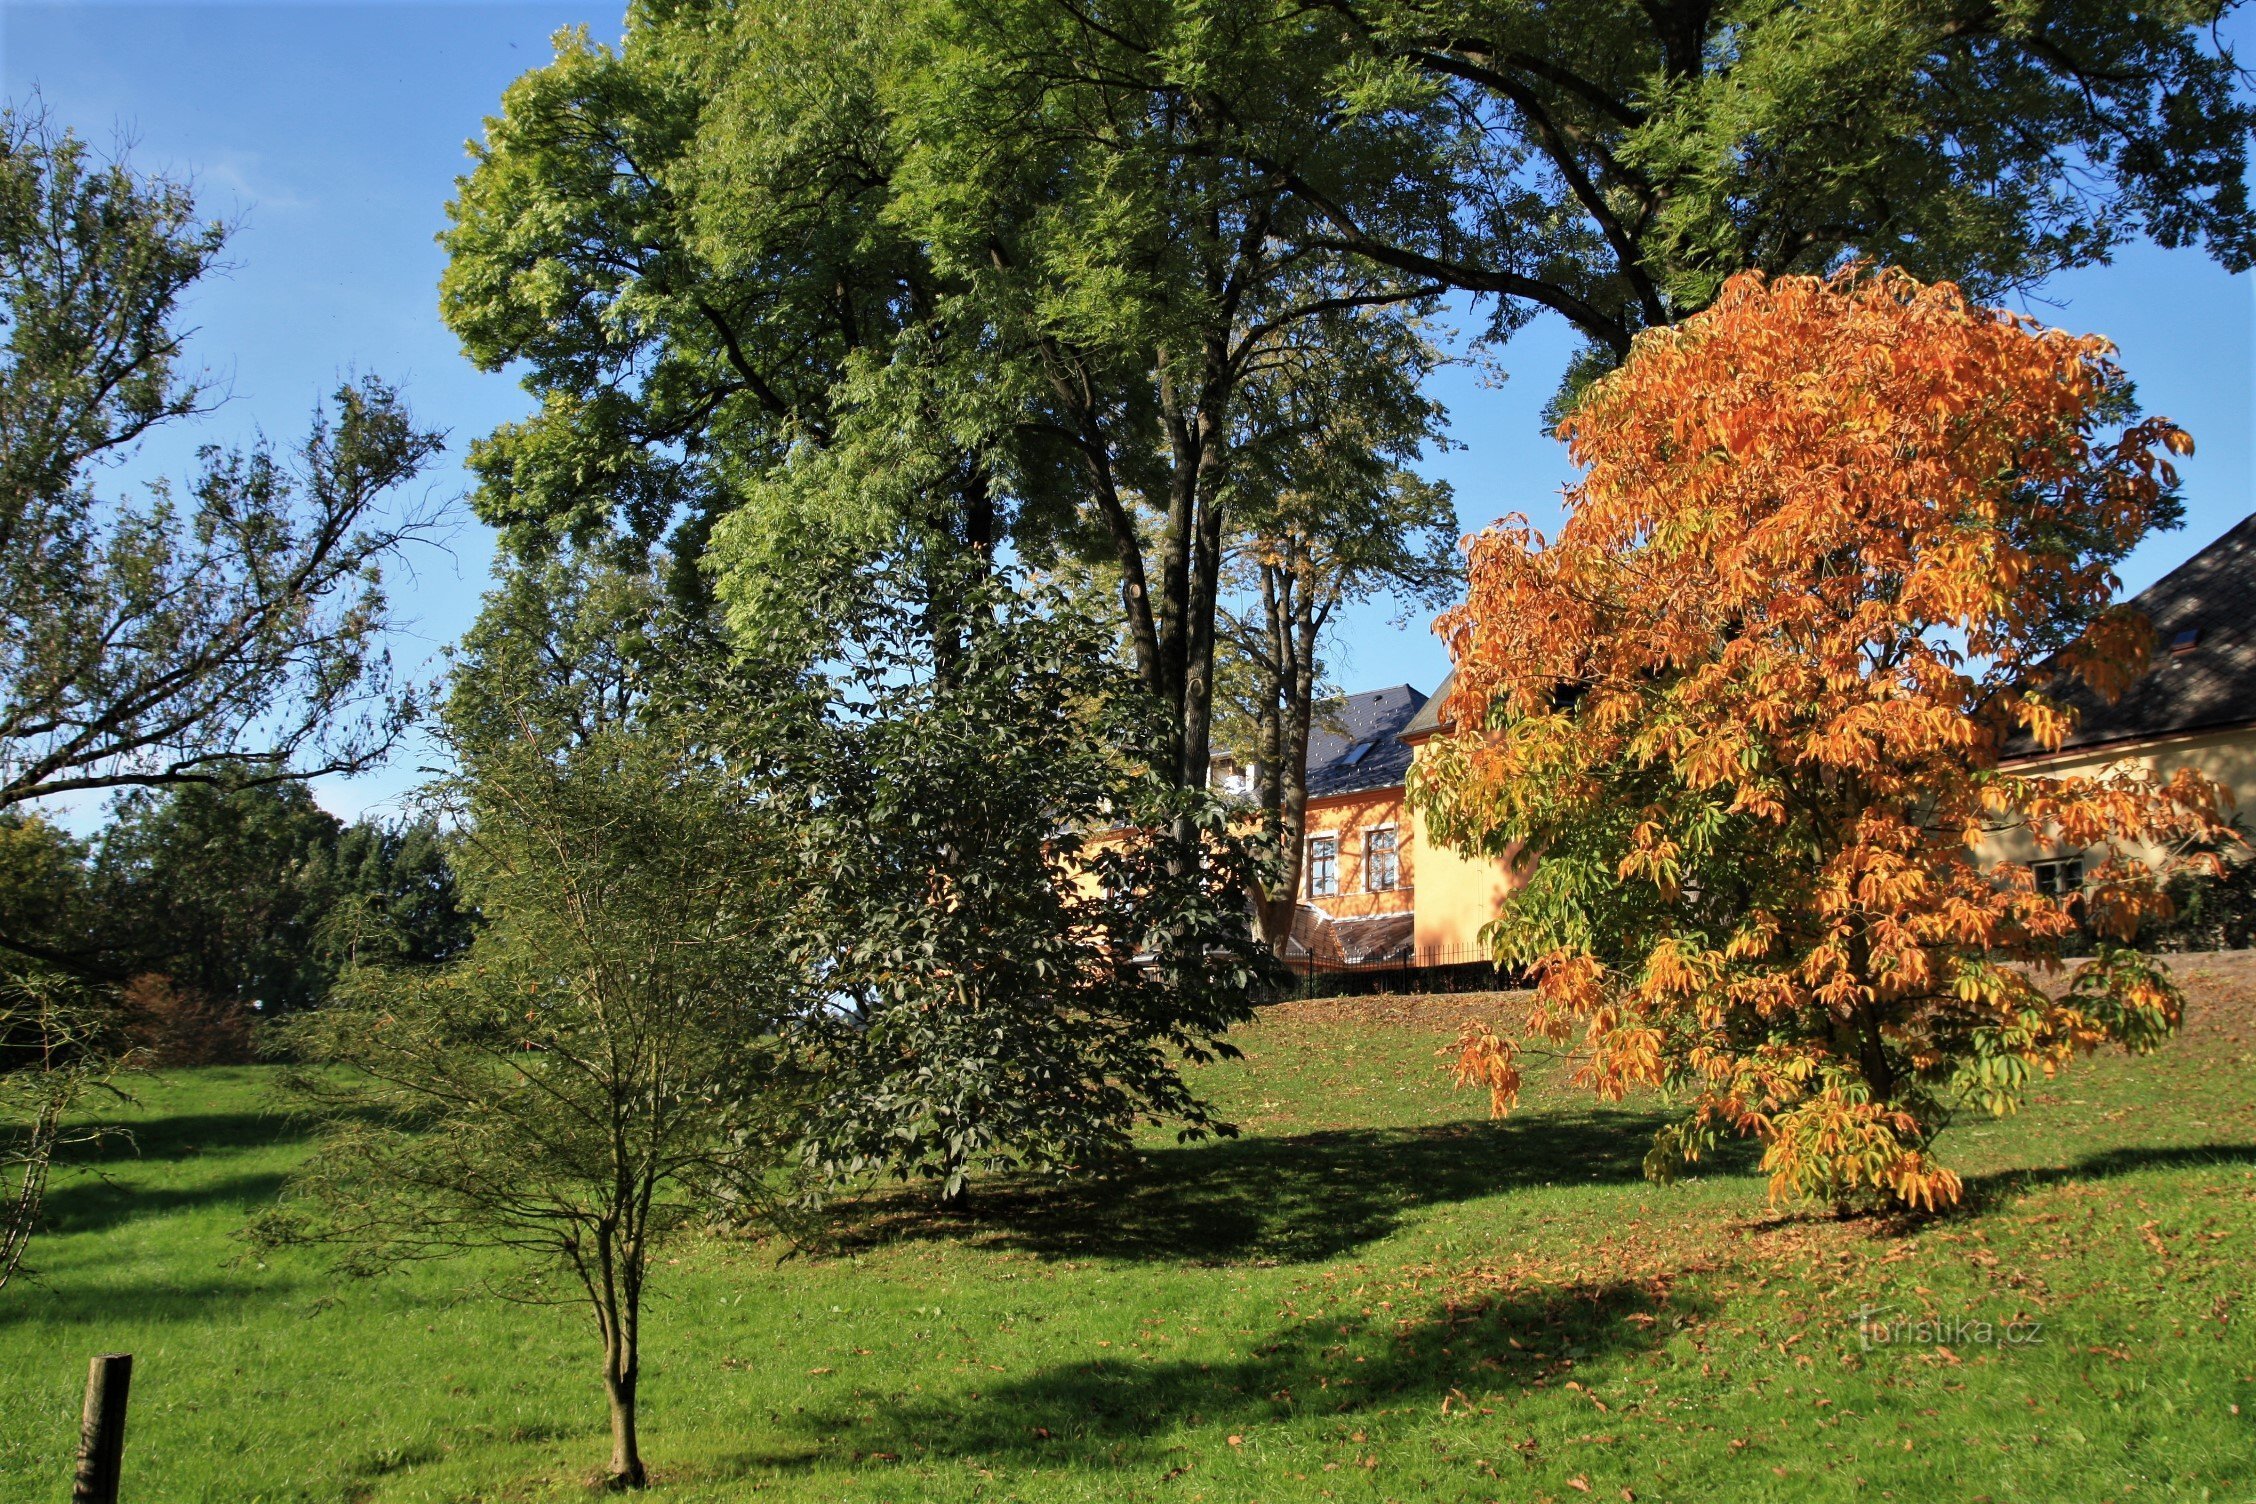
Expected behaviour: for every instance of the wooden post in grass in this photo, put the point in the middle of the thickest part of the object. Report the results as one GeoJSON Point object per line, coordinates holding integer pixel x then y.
{"type": "Point", "coordinates": [101, 1433]}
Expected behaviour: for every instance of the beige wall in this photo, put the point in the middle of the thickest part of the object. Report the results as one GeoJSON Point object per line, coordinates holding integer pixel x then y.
{"type": "Point", "coordinates": [2227, 756]}
{"type": "Point", "coordinates": [1349, 818]}
{"type": "Point", "coordinates": [1456, 894]}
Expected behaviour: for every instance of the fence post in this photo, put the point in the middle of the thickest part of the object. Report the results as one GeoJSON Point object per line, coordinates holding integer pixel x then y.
{"type": "Point", "coordinates": [101, 1432]}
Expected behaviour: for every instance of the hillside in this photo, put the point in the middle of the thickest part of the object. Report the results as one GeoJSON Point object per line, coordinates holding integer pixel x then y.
{"type": "Point", "coordinates": [1372, 1294]}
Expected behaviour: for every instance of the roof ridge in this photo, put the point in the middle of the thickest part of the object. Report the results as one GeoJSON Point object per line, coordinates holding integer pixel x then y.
{"type": "Point", "coordinates": [2209, 555]}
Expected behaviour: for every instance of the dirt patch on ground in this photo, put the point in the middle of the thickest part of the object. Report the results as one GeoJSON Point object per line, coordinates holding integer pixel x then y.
{"type": "Point", "coordinates": [2220, 988]}
{"type": "Point", "coordinates": [1439, 1012]}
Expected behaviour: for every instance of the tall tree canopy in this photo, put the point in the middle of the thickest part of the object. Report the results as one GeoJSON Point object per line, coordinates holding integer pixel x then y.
{"type": "Point", "coordinates": [841, 287]}
{"type": "Point", "coordinates": [1836, 542]}
{"type": "Point", "coordinates": [1613, 163]}
{"type": "Point", "coordinates": [836, 283]}
{"type": "Point", "coordinates": [687, 241]}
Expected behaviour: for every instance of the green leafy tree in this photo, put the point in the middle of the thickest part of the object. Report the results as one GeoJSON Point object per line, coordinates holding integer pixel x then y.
{"type": "Point", "coordinates": [394, 899]}
{"type": "Point", "coordinates": [607, 1067]}
{"type": "Point", "coordinates": [1019, 962]}
{"type": "Point", "coordinates": [688, 246]}
{"type": "Point", "coordinates": [1614, 163]}
{"type": "Point", "coordinates": [1116, 182]}
{"type": "Point", "coordinates": [257, 893]}
{"type": "Point", "coordinates": [223, 891]}
{"type": "Point", "coordinates": [230, 631]}
{"type": "Point", "coordinates": [999, 274]}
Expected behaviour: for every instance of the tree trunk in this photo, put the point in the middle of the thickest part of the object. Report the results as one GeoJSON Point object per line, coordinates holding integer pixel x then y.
{"type": "Point", "coordinates": [1295, 622]}
{"type": "Point", "coordinates": [1272, 903]}
{"type": "Point", "coordinates": [620, 1372]}
{"type": "Point", "coordinates": [1864, 1022]}
{"type": "Point", "coordinates": [617, 1290]}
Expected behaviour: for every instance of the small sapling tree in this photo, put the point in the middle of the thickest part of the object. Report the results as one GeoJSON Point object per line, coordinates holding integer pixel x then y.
{"type": "Point", "coordinates": [606, 1066]}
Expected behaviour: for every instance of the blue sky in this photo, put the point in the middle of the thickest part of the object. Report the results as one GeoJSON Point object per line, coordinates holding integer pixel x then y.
{"type": "Point", "coordinates": [332, 133]}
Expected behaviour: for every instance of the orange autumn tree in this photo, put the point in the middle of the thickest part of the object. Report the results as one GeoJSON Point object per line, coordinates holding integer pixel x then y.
{"type": "Point", "coordinates": [1837, 543]}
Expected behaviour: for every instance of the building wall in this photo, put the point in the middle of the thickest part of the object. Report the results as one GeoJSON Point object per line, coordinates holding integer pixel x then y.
{"type": "Point", "coordinates": [1450, 896]}
{"type": "Point", "coordinates": [1349, 818]}
{"type": "Point", "coordinates": [2227, 756]}
{"type": "Point", "coordinates": [1457, 894]}
{"type": "Point", "coordinates": [1454, 896]}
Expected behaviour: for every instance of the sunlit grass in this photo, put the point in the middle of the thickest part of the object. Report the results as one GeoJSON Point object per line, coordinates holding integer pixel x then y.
{"type": "Point", "coordinates": [1373, 1294]}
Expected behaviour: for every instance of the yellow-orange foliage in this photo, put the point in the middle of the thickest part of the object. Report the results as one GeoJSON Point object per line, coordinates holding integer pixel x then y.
{"type": "Point", "coordinates": [1837, 543]}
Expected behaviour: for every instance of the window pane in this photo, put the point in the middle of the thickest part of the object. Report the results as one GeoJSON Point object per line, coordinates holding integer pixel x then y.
{"type": "Point", "coordinates": [1323, 865]}
{"type": "Point", "coordinates": [1382, 870]}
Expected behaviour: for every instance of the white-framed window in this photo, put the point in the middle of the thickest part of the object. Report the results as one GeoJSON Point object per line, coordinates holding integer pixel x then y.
{"type": "Point", "coordinates": [1323, 866]}
{"type": "Point", "coordinates": [2059, 878]}
{"type": "Point", "coordinates": [1382, 860]}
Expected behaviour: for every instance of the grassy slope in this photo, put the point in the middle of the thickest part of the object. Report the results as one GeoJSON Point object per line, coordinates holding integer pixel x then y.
{"type": "Point", "coordinates": [1370, 1296]}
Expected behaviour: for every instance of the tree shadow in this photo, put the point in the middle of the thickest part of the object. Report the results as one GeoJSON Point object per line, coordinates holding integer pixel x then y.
{"type": "Point", "coordinates": [99, 1203]}
{"type": "Point", "coordinates": [187, 1134]}
{"type": "Point", "coordinates": [102, 1302]}
{"type": "Point", "coordinates": [1999, 1186]}
{"type": "Point", "coordinates": [1126, 1407]}
{"type": "Point", "coordinates": [1301, 1198]}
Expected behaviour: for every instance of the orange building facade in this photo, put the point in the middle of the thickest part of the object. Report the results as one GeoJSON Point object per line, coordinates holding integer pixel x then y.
{"type": "Point", "coordinates": [1375, 889]}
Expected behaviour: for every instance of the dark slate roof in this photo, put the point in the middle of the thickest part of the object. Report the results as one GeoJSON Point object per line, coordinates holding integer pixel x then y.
{"type": "Point", "coordinates": [2213, 683]}
{"type": "Point", "coordinates": [1428, 719]}
{"type": "Point", "coordinates": [1373, 721]}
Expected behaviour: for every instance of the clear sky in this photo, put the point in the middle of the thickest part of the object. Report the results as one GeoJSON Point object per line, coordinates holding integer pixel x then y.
{"type": "Point", "coordinates": [332, 134]}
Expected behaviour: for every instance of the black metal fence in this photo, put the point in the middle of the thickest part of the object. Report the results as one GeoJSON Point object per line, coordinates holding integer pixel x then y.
{"type": "Point", "coordinates": [1454, 968]}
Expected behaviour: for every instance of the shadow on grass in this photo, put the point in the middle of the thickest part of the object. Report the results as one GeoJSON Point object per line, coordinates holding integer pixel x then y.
{"type": "Point", "coordinates": [96, 1204]}
{"type": "Point", "coordinates": [1292, 1199]}
{"type": "Point", "coordinates": [96, 1187]}
{"type": "Point", "coordinates": [89, 1299]}
{"type": "Point", "coordinates": [1119, 1408]}
{"type": "Point", "coordinates": [1985, 1191]}
{"type": "Point", "coordinates": [187, 1134]}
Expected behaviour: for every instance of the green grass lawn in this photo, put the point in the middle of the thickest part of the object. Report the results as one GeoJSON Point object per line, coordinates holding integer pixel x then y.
{"type": "Point", "coordinates": [1372, 1295]}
